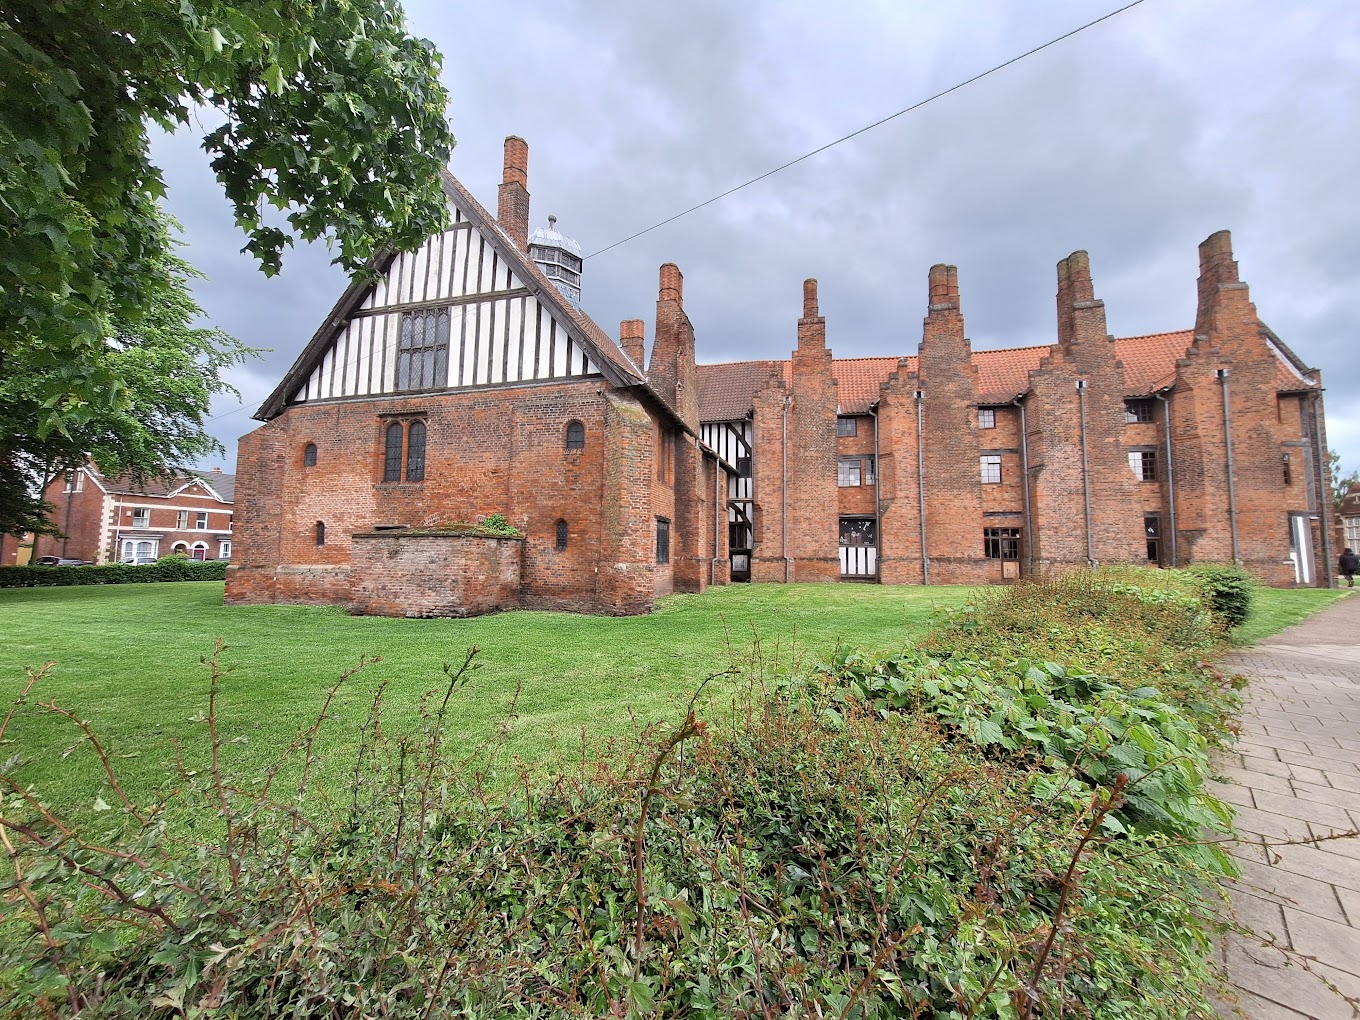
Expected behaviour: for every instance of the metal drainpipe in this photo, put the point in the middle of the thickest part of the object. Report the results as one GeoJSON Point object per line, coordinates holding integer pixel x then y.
{"type": "Point", "coordinates": [1085, 474]}
{"type": "Point", "coordinates": [1324, 493]}
{"type": "Point", "coordinates": [878, 506]}
{"type": "Point", "coordinates": [921, 483]}
{"type": "Point", "coordinates": [1170, 474]}
{"type": "Point", "coordinates": [1024, 476]}
{"type": "Point", "coordinates": [784, 514]}
{"type": "Point", "coordinates": [1227, 446]}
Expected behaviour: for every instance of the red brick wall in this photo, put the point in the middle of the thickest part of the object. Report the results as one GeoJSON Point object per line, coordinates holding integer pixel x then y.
{"type": "Point", "coordinates": [423, 575]}
{"type": "Point", "coordinates": [80, 516]}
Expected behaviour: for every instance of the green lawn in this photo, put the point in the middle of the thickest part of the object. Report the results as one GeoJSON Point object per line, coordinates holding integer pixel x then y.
{"type": "Point", "coordinates": [1274, 609]}
{"type": "Point", "coordinates": [127, 657]}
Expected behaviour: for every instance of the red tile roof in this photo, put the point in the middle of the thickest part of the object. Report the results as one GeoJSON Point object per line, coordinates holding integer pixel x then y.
{"type": "Point", "coordinates": [726, 391]}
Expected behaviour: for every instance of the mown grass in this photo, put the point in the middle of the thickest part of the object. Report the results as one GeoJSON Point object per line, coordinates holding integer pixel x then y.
{"type": "Point", "coordinates": [128, 659]}
{"type": "Point", "coordinates": [1274, 609]}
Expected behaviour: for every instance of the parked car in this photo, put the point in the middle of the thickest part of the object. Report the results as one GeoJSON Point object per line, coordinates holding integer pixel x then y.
{"type": "Point", "coordinates": [139, 561]}
{"type": "Point", "coordinates": [59, 561]}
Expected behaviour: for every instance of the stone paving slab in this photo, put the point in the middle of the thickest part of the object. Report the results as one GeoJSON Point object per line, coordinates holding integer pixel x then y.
{"type": "Point", "coordinates": [1294, 778]}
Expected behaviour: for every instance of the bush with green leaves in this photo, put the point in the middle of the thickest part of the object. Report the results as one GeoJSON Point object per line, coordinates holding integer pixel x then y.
{"type": "Point", "coordinates": [1228, 589]}
{"type": "Point", "coordinates": [802, 856]}
{"type": "Point", "coordinates": [169, 568]}
{"type": "Point", "coordinates": [970, 831]}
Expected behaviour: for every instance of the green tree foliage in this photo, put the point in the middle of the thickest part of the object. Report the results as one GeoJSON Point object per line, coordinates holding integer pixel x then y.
{"type": "Point", "coordinates": [1341, 483]}
{"type": "Point", "coordinates": [170, 370]}
{"type": "Point", "coordinates": [329, 112]}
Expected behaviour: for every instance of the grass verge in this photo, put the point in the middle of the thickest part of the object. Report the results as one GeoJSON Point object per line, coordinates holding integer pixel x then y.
{"type": "Point", "coordinates": [1275, 609]}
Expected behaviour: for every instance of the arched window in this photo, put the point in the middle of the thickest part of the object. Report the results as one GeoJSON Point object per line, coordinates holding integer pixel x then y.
{"type": "Point", "coordinates": [392, 454]}
{"type": "Point", "coordinates": [561, 535]}
{"type": "Point", "coordinates": [576, 436]}
{"type": "Point", "coordinates": [415, 452]}
{"type": "Point", "coordinates": [309, 455]}
{"type": "Point", "coordinates": [320, 532]}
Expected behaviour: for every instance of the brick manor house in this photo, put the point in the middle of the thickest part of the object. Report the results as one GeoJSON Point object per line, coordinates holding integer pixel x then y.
{"type": "Point", "coordinates": [467, 382]}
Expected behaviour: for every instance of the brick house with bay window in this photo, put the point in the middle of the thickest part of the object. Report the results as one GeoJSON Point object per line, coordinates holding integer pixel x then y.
{"type": "Point", "coordinates": [465, 382]}
{"type": "Point", "coordinates": [115, 519]}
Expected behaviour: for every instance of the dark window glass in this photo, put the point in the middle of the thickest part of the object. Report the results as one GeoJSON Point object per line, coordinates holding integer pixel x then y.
{"type": "Point", "coordinates": [309, 455]}
{"type": "Point", "coordinates": [1001, 543]}
{"type": "Point", "coordinates": [320, 532]}
{"type": "Point", "coordinates": [392, 453]}
{"type": "Point", "coordinates": [1137, 411]}
{"type": "Point", "coordinates": [561, 535]}
{"type": "Point", "coordinates": [743, 467]}
{"type": "Point", "coordinates": [423, 351]}
{"type": "Point", "coordinates": [576, 436]}
{"type": "Point", "coordinates": [415, 452]}
{"type": "Point", "coordinates": [846, 426]}
{"type": "Point", "coordinates": [1152, 527]}
{"type": "Point", "coordinates": [1288, 475]}
{"type": "Point", "coordinates": [663, 541]}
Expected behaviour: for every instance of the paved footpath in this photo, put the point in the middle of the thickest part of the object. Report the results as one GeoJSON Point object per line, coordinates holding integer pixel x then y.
{"type": "Point", "coordinates": [1296, 776]}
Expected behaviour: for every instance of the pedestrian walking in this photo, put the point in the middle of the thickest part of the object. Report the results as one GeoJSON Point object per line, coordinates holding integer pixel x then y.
{"type": "Point", "coordinates": [1349, 564]}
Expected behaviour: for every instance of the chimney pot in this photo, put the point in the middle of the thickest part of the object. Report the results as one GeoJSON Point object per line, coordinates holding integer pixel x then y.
{"type": "Point", "coordinates": [672, 283]}
{"type": "Point", "coordinates": [810, 298]}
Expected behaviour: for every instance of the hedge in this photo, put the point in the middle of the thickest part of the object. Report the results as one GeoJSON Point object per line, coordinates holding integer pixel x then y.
{"type": "Point", "coordinates": [170, 569]}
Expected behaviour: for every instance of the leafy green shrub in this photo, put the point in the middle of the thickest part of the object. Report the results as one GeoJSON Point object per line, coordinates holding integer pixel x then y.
{"type": "Point", "coordinates": [802, 856]}
{"type": "Point", "coordinates": [496, 524]}
{"type": "Point", "coordinates": [170, 568]}
{"type": "Point", "coordinates": [1228, 589]}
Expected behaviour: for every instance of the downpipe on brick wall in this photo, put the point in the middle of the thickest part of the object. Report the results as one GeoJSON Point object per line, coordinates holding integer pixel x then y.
{"type": "Point", "coordinates": [878, 505]}
{"type": "Point", "coordinates": [921, 483]}
{"type": "Point", "coordinates": [1324, 491]}
{"type": "Point", "coordinates": [784, 496]}
{"type": "Point", "coordinates": [1085, 473]}
{"type": "Point", "coordinates": [1227, 446]}
{"type": "Point", "coordinates": [1170, 474]}
{"type": "Point", "coordinates": [1024, 476]}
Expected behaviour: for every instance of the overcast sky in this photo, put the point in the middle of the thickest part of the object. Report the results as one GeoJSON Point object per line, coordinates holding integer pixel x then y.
{"type": "Point", "coordinates": [1134, 140]}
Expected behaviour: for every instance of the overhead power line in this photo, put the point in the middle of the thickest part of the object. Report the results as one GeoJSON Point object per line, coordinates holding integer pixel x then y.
{"type": "Point", "coordinates": [869, 127]}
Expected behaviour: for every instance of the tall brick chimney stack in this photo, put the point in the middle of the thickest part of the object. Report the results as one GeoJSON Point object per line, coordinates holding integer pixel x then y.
{"type": "Point", "coordinates": [512, 208]}
{"type": "Point", "coordinates": [632, 338]}
{"type": "Point", "coordinates": [672, 372]}
{"type": "Point", "coordinates": [812, 326]}
{"type": "Point", "coordinates": [1217, 271]}
{"type": "Point", "coordinates": [1080, 315]}
{"type": "Point", "coordinates": [944, 319]}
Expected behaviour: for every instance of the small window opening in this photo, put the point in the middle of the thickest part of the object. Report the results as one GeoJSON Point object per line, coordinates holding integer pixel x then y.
{"type": "Point", "coordinates": [392, 454]}
{"type": "Point", "coordinates": [561, 536]}
{"type": "Point", "coordinates": [846, 426]}
{"type": "Point", "coordinates": [986, 418]}
{"type": "Point", "coordinates": [663, 540]}
{"type": "Point", "coordinates": [320, 532]}
{"type": "Point", "coordinates": [415, 452]}
{"type": "Point", "coordinates": [576, 436]}
{"type": "Point", "coordinates": [309, 455]}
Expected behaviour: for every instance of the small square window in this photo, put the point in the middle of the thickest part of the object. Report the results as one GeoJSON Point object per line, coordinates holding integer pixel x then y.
{"type": "Point", "coordinates": [986, 418]}
{"type": "Point", "coordinates": [846, 426]}
{"type": "Point", "coordinates": [848, 472]}
{"type": "Point", "coordinates": [201, 521]}
{"type": "Point", "coordinates": [1137, 411]}
{"type": "Point", "coordinates": [141, 518]}
{"type": "Point", "coordinates": [1143, 464]}
{"type": "Point", "coordinates": [990, 466]}
{"type": "Point", "coordinates": [1001, 543]}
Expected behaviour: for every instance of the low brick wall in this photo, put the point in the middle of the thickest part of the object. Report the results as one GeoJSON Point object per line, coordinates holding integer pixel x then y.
{"type": "Point", "coordinates": [433, 573]}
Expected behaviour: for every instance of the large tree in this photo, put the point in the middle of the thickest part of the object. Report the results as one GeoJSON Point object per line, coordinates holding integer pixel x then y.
{"type": "Point", "coordinates": [328, 111]}
{"type": "Point", "coordinates": [170, 368]}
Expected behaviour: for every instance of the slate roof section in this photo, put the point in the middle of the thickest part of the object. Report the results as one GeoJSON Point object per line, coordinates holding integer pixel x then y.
{"type": "Point", "coordinates": [219, 481]}
{"type": "Point", "coordinates": [726, 391]}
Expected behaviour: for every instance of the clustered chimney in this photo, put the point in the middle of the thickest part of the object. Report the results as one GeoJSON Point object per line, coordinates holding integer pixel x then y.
{"type": "Point", "coordinates": [512, 209]}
